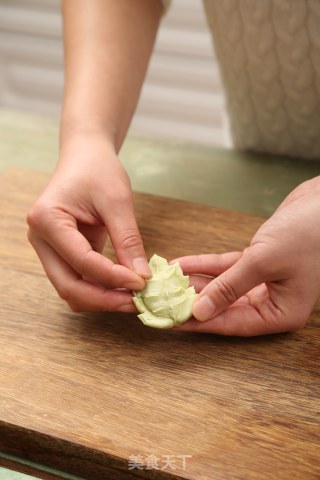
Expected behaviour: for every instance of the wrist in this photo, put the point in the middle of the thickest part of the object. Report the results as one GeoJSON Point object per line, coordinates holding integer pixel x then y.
{"type": "Point", "coordinates": [84, 125]}
{"type": "Point", "coordinates": [85, 137]}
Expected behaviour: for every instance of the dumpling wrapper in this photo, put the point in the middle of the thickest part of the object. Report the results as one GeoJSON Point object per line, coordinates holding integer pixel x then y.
{"type": "Point", "coordinates": [167, 299]}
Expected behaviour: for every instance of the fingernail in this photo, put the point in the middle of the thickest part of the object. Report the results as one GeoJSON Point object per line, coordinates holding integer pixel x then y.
{"type": "Point", "coordinates": [135, 285]}
{"type": "Point", "coordinates": [203, 309]}
{"type": "Point", "coordinates": [127, 308]}
{"type": "Point", "coordinates": [141, 267]}
{"type": "Point", "coordinates": [171, 262]}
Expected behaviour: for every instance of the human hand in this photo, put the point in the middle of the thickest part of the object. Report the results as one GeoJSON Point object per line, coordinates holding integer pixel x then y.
{"type": "Point", "coordinates": [273, 285]}
{"type": "Point", "coordinates": [88, 198]}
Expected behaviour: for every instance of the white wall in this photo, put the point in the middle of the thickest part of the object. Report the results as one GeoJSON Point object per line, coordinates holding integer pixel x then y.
{"type": "Point", "coordinates": [182, 96]}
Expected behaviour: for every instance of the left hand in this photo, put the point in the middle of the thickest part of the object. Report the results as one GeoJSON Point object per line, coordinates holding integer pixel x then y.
{"type": "Point", "coordinates": [273, 285]}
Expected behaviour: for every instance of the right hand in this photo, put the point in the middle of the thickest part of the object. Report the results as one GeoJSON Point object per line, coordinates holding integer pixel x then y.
{"type": "Point", "coordinates": [88, 198]}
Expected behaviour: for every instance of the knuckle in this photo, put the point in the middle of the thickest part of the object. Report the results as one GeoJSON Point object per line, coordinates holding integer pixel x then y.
{"type": "Point", "coordinates": [67, 294]}
{"type": "Point", "coordinates": [225, 291]}
{"type": "Point", "coordinates": [255, 256]}
{"type": "Point", "coordinates": [124, 195]}
{"type": "Point", "coordinates": [130, 239]}
{"type": "Point", "coordinates": [75, 307]}
{"type": "Point", "coordinates": [64, 293]}
{"type": "Point", "coordinates": [32, 217]}
{"type": "Point", "coordinates": [259, 259]}
{"type": "Point", "coordinates": [36, 215]}
{"type": "Point", "coordinates": [120, 195]}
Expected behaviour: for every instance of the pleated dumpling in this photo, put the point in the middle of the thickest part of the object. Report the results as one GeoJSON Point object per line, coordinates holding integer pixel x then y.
{"type": "Point", "coordinates": [166, 301]}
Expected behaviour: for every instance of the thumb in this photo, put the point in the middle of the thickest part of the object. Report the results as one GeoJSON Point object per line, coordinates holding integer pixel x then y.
{"type": "Point", "coordinates": [228, 287]}
{"type": "Point", "coordinates": [126, 240]}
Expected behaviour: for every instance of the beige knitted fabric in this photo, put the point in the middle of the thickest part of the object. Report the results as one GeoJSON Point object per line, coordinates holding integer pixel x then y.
{"type": "Point", "coordinates": [269, 54]}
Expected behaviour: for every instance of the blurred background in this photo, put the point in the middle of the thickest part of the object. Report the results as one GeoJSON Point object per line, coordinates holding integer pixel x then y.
{"type": "Point", "coordinates": [182, 97]}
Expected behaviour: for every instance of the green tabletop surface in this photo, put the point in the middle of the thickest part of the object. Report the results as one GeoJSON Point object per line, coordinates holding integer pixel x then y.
{"type": "Point", "coordinates": [6, 474]}
{"type": "Point", "coordinates": [224, 178]}
{"type": "Point", "coordinates": [16, 468]}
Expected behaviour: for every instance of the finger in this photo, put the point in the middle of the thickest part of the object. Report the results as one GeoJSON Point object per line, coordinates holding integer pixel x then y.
{"type": "Point", "coordinates": [60, 231]}
{"type": "Point", "coordinates": [228, 287]}
{"type": "Point", "coordinates": [79, 294]}
{"type": "Point", "coordinates": [253, 314]}
{"type": "Point", "coordinates": [199, 282]}
{"type": "Point", "coordinates": [239, 320]}
{"type": "Point", "coordinates": [126, 238]}
{"type": "Point", "coordinates": [208, 264]}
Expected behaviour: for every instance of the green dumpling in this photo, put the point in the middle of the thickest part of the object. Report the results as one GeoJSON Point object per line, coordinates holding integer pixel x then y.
{"type": "Point", "coordinates": [166, 301]}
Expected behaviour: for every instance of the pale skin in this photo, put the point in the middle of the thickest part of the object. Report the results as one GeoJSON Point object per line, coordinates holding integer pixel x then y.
{"type": "Point", "coordinates": [107, 47]}
{"type": "Point", "coordinates": [272, 286]}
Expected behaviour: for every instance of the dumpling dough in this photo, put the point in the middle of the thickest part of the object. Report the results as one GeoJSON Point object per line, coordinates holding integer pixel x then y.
{"type": "Point", "coordinates": [166, 301]}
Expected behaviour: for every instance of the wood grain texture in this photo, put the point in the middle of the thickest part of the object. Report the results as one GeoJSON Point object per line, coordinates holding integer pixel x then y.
{"type": "Point", "coordinates": [84, 392]}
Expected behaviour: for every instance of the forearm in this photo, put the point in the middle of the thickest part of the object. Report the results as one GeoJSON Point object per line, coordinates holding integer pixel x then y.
{"type": "Point", "coordinates": [107, 48]}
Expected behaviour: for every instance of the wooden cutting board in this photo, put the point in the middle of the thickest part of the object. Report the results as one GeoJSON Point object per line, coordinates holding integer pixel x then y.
{"type": "Point", "coordinates": [94, 394]}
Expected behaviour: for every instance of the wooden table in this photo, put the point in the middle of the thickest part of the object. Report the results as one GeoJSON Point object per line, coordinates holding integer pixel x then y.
{"type": "Point", "coordinates": [89, 392]}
